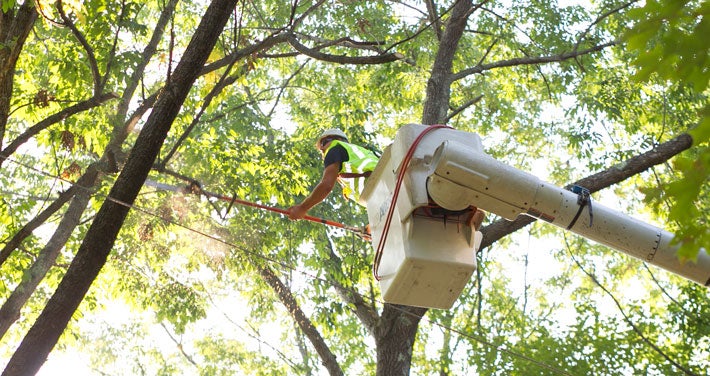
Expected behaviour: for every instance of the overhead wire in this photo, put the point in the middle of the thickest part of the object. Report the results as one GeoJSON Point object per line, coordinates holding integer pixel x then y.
{"type": "Point", "coordinates": [307, 274]}
{"type": "Point", "coordinates": [254, 334]}
{"type": "Point", "coordinates": [636, 328]}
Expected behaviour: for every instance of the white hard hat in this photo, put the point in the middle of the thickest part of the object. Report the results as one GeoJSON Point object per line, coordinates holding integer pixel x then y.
{"type": "Point", "coordinates": [331, 133]}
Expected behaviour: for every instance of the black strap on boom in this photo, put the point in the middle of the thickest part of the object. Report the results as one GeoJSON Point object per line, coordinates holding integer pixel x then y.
{"type": "Point", "coordinates": [583, 199]}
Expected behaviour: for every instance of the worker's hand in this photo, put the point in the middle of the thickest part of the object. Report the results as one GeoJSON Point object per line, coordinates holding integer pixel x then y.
{"type": "Point", "coordinates": [297, 212]}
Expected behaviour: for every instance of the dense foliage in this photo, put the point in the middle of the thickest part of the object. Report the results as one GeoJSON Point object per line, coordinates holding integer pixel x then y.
{"type": "Point", "coordinates": [197, 285]}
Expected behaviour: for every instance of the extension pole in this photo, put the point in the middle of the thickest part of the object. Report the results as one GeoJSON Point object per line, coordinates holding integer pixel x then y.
{"type": "Point", "coordinates": [196, 189]}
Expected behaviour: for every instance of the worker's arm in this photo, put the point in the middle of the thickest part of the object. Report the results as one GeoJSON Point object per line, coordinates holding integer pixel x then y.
{"type": "Point", "coordinates": [319, 193]}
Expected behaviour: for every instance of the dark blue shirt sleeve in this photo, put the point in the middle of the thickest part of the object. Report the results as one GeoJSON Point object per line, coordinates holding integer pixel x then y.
{"type": "Point", "coordinates": [336, 154]}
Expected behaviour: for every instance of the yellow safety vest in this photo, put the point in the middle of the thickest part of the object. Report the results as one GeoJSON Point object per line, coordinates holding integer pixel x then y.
{"type": "Point", "coordinates": [353, 172]}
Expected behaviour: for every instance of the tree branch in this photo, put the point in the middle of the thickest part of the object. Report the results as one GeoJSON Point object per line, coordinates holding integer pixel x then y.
{"type": "Point", "coordinates": [224, 81]}
{"type": "Point", "coordinates": [84, 43]}
{"type": "Point", "coordinates": [10, 310]}
{"type": "Point", "coordinates": [464, 106]}
{"type": "Point", "coordinates": [252, 332]}
{"type": "Point", "coordinates": [287, 299]}
{"type": "Point", "coordinates": [531, 60]}
{"type": "Point", "coordinates": [600, 18]}
{"type": "Point", "coordinates": [84, 182]}
{"type": "Point", "coordinates": [294, 22]}
{"type": "Point", "coordinates": [342, 59]}
{"type": "Point", "coordinates": [178, 344]}
{"type": "Point", "coordinates": [255, 48]}
{"type": "Point", "coordinates": [114, 45]}
{"type": "Point", "coordinates": [14, 29]}
{"type": "Point", "coordinates": [52, 119]}
{"type": "Point", "coordinates": [434, 18]}
{"type": "Point", "coordinates": [364, 311]}
{"type": "Point", "coordinates": [122, 126]}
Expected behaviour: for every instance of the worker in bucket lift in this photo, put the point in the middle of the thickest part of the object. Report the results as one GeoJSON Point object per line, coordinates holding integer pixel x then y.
{"type": "Point", "coordinates": [343, 162]}
{"type": "Point", "coordinates": [349, 165]}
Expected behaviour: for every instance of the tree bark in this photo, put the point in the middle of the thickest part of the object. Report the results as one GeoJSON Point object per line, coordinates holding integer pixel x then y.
{"type": "Point", "coordinates": [99, 240]}
{"type": "Point", "coordinates": [14, 29]}
{"type": "Point", "coordinates": [438, 89]}
{"type": "Point", "coordinates": [395, 338]}
{"type": "Point", "coordinates": [327, 357]}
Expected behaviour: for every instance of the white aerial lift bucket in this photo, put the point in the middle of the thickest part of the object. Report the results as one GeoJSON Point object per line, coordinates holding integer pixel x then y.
{"type": "Point", "coordinates": [426, 260]}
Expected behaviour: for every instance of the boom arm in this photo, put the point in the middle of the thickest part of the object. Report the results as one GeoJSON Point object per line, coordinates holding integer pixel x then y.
{"type": "Point", "coordinates": [465, 176]}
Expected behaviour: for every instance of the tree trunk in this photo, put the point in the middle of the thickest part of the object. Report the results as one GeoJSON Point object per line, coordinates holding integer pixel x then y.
{"type": "Point", "coordinates": [395, 339]}
{"type": "Point", "coordinates": [398, 325]}
{"type": "Point", "coordinates": [438, 89]}
{"type": "Point", "coordinates": [10, 311]}
{"type": "Point", "coordinates": [97, 244]}
{"type": "Point", "coordinates": [14, 29]}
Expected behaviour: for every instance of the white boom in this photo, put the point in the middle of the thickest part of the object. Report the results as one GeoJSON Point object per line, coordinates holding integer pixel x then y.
{"type": "Point", "coordinates": [428, 259]}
